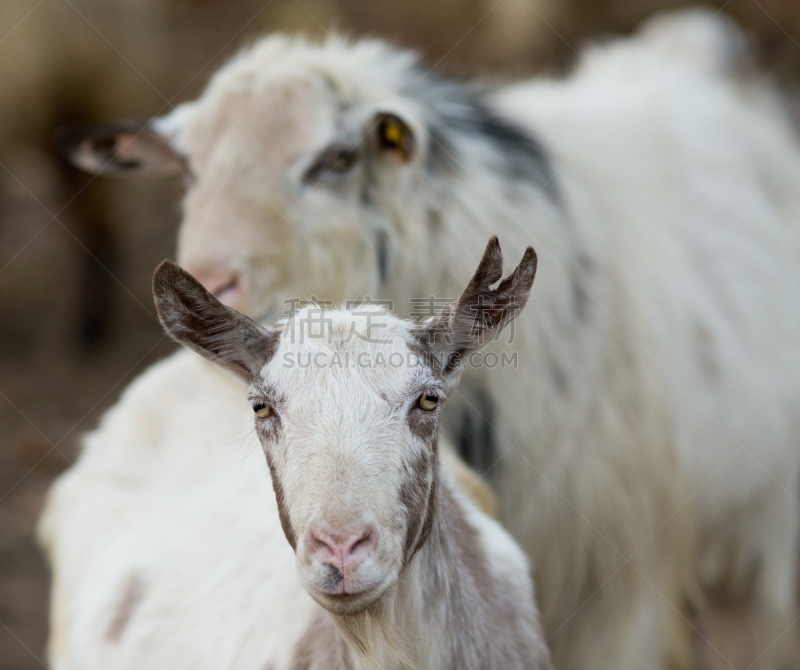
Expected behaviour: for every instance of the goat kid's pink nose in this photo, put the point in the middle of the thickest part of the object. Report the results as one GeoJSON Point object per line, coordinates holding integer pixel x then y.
{"type": "Point", "coordinates": [342, 551]}
{"type": "Point", "coordinates": [229, 287]}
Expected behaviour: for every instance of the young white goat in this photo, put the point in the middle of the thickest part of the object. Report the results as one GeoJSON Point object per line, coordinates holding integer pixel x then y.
{"type": "Point", "coordinates": [651, 441]}
{"type": "Point", "coordinates": [346, 408]}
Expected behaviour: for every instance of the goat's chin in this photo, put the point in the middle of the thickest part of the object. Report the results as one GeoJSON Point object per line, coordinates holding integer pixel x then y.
{"type": "Point", "coordinates": [348, 604]}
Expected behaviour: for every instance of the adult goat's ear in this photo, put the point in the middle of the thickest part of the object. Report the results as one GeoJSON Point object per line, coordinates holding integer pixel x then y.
{"type": "Point", "coordinates": [480, 312]}
{"type": "Point", "coordinates": [195, 318]}
{"type": "Point", "coordinates": [120, 148]}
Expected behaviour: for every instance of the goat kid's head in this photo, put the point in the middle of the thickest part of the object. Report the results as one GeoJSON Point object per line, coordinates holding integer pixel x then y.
{"type": "Point", "coordinates": [289, 150]}
{"type": "Point", "coordinates": [346, 407]}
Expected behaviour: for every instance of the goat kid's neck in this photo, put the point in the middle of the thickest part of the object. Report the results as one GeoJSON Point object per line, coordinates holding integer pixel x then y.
{"type": "Point", "coordinates": [435, 617]}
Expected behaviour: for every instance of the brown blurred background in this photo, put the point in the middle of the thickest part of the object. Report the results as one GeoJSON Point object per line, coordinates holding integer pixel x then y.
{"type": "Point", "coordinates": [77, 253]}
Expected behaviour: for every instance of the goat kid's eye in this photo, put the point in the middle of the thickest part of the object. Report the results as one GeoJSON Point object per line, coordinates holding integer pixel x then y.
{"type": "Point", "coordinates": [262, 410]}
{"type": "Point", "coordinates": [336, 159]}
{"type": "Point", "coordinates": [428, 402]}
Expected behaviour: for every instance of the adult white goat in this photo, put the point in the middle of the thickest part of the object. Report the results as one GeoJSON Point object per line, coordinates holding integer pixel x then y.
{"type": "Point", "coordinates": [651, 441]}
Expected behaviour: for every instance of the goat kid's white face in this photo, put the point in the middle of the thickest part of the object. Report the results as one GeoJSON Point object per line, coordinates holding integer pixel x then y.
{"type": "Point", "coordinates": [281, 173]}
{"type": "Point", "coordinates": [346, 408]}
{"type": "Point", "coordinates": [351, 451]}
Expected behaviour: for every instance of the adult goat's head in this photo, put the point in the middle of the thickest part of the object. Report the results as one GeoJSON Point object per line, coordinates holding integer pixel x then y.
{"type": "Point", "coordinates": [287, 148]}
{"type": "Point", "coordinates": [346, 407]}
{"type": "Point", "coordinates": [313, 169]}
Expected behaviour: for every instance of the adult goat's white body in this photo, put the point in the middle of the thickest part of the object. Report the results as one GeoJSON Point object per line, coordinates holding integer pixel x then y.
{"type": "Point", "coordinates": [648, 441]}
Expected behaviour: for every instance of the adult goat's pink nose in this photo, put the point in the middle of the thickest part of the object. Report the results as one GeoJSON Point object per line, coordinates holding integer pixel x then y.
{"type": "Point", "coordinates": [343, 551]}
{"type": "Point", "coordinates": [227, 286]}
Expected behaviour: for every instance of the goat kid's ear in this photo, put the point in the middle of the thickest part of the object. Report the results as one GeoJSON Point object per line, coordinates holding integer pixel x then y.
{"type": "Point", "coordinates": [120, 148]}
{"type": "Point", "coordinates": [480, 312]}
{"type": "Point", "coordinates": [394, 136]}
{"type": "Point", "coordinates": [196, 319]}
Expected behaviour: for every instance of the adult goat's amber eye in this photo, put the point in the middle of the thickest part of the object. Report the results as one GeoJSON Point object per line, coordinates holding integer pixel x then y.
{"type": "Point", "coordinates": [262, 410]}
{"type": "Point", "coordinates": [394, 136]}
{"type": "Point", "coordinates": [428, 401]}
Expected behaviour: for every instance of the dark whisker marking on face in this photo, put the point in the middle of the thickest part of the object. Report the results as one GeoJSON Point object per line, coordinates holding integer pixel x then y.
{"type": "Point", "coordinates": [283, 509]}
{"type": "Point", "coordinates": [332, 578]}
{"type": "Point", "coordinates": [417, 495]}
{"type": "Point", "coordinates": [424, 424]}
{"type": "Point", "coordinates": [382, 255]}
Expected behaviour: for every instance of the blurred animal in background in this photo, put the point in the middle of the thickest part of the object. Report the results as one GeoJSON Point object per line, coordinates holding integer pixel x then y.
{"type": "Point", "coordinates": [647, 445]}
